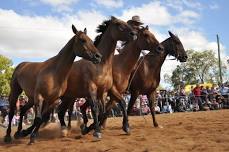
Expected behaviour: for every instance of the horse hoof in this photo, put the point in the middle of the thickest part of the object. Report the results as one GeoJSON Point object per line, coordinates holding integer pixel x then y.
{"type": "Point", "coordinates": [64, 132]}
{"type": "Point", "coordinates": [17, 135]}
{"type": "Point", "coordinates": [7, 139]}
{"type": "Point", "coordinates": [31, 142]}
{"type": "Point", "coordinates": [83, 129]}
{"type": "Point", "coordinates": [69, 127]}
{"type": "Point", "coordinates": [157, 126]}
{"type": "Point", "coordinates": [97, 135]}
{"type": "Point", "coordinates": [24, 133]}
{"type": "Point", "coordinates": [160, 127]}
{"type": "Point", "coordinates": [126, 130]}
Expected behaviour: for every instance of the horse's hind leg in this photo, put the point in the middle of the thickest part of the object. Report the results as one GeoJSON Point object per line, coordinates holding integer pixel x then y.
{"type": "Point", "coordinates": [23, 110]}
{"type": "Point", "coordinates": [14, 93]}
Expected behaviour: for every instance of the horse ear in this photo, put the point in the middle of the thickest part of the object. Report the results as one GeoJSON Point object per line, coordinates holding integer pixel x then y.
{"type": "Point", "coordinates": [113, 18]}
{"type": "Point", "coordinates": [85, 31]}
{"type": "Point", "coordinates": [171, 34]}
{"type": "Point", "coordinates": [74, 29]}
{"type": "Point", "coordinates": [147, 27]}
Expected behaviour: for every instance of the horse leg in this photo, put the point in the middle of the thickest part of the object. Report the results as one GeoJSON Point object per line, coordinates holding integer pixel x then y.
{"type": "Point", "coordinates": [39, 101]}
{"type": "Point", "coordinates": [70, 110]}
{"type": "Point", "coordinates": [15, 92]}
{"type": "Point", "coordinates": [134, 96]}
{"type": "Point", "coordinates": [152, 100]}
{"type": "Point", "coordinates": [118, 97]}
{"type": "Point", "coordinates": [23, 110]}
{"type": "Point", "coordinates": [95, 113]}
{"type": "Point", "coordinates": [103, 111]}
{"type": "Point", "coordinates": [108, 108]}
{"type": "Point", "coordinates": [61, 114]}
{"type": "Point", "coordinates": [29, 130]}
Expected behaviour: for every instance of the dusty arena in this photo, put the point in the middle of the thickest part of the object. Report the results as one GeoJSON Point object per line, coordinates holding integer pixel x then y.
{"type": "Point", "coordinates": [196, 131]}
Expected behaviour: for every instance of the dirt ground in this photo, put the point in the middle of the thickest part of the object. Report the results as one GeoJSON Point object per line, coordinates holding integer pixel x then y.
{"type": "Point", "coordinates": [197, 131]}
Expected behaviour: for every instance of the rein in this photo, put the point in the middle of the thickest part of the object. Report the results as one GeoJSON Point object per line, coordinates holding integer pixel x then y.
{"type": "Point", "coordinates": [137, 68]}
{"type": "Point", "coordinates": [150, 53]}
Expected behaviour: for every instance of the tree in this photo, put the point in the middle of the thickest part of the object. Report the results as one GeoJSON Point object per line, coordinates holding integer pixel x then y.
{"type": "Point", "coordinates": [200, 67]}
{"type": "Point", "coordinates": [6, 71]}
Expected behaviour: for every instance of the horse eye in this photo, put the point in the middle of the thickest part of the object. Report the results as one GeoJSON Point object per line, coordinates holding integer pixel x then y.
{"type": "Point", "coordinates": [121, 28]}
{"type": "Point", "coordinates": [82, 40]}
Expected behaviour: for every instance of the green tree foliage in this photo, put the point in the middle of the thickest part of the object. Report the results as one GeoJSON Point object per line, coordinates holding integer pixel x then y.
{"type": "Point", "coordinates": [200, 67]}
{"type": "Point", "coordinates": [6, 71]}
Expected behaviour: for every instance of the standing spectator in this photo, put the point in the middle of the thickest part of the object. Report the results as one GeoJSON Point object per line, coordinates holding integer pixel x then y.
{"type": "Point", "coordinates": [211, 93]}
{"type": "Point", "coordinates": [159, 100]}
{"type": "Point", "coordinates": [20, 102]}
{"type": "Point", "coordinates": [197, 93]}
{"type": "Point", "coordinates": [224, 91]}
{"type": "Point", "coordinates": [204, 95]}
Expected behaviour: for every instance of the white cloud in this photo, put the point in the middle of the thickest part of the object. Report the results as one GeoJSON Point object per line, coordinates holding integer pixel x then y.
{"type": "Point", "coordinates": [57, 5]}
{"type": "Point", "coordinates": [110, 3]}
{"type": "Point", "coordinates": [180, 5]}
{"type": "Point", "coordinates": [154, 13]}
{"type": "Point", "coordinates": [42, 37]}
{"type": "Point", "coordinates": [187, 17]}
{"type": "Point", "coordinates": [196, 40]}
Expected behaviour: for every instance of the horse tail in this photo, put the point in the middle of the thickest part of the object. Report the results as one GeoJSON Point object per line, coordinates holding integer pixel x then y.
{"type": "Point", "coordinates": [15, 88]}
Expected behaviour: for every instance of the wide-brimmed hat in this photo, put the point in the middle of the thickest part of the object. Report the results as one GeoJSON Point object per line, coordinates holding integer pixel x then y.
{"type": "Point", "coordinates": [135, 19]}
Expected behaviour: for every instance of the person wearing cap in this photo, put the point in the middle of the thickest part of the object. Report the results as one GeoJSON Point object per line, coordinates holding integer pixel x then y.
{"type": "Point", "coordinates": [135, 22]}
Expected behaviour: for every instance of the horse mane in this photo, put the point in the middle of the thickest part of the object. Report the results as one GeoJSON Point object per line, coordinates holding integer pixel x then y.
{"type": "Point", "coordinates": [101, 29]}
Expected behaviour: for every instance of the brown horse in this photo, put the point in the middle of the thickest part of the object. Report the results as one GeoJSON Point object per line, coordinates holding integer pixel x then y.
{"type": "Point", "coordinates": [91, 81]}
{"type": "Point", "coordinates": [124, 63]}
{"type": "Point", "coordinates": [44, 82]}
{"type": "Point", "coordinates": [147, 76]}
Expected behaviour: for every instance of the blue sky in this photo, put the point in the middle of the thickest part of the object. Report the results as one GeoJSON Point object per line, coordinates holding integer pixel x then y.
{"type": "Point", "coordinates": [36, 30]}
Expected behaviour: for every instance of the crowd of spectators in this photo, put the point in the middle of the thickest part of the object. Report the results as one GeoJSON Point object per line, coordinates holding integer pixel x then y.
{"type": "Point", "coordinates": [199, 98]}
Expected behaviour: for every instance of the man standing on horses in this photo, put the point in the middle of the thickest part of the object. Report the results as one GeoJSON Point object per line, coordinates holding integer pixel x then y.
{"type": "Point", "coordinates": [135, 23]}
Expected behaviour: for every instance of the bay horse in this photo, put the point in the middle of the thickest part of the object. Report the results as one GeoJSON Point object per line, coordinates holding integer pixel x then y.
{"type": "Point", "coordinates": [44, 82]}
{"type": "Point", "coordinates": [90, 80]}
{"type": "Point", "coordinates": [123, 65]}
{"type": "Point", "coordinates": [147, 77]}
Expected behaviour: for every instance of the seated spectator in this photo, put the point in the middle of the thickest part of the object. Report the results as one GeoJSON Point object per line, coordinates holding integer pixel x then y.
{"type": "Point", "coordinates": [214, 105]}
{"type": "Point", "coordinates": [224, 91]}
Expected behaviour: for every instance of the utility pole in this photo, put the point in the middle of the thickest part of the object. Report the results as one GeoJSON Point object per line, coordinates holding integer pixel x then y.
{"type": "Point", "coordinates": [219, 60]}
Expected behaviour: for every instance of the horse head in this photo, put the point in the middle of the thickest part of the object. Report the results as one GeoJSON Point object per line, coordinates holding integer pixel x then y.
{"type": "Point", "coordinates": [147, 41]}
{"type": "Point", "coordinates": [176, 48]}
{"type": "Point", "coordinates": [121, 30]}
{"type": "Point", "coordinates": [84, 47]}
